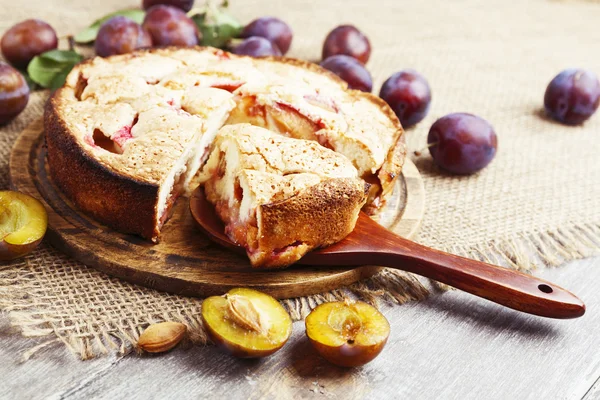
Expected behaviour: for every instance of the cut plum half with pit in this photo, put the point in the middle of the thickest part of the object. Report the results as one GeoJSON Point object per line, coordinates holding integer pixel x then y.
{"type": "Point", "coordinates": [347, 333]}
{"type": "Point", "coordinates": [23, 223]}
{"type": "Point", "coordinates": [246, 323]}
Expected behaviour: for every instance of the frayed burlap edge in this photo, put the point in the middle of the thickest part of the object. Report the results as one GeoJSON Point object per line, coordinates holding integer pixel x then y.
{"type": "Point", "coordinates": [524, 252]}
{"type": "Point", "coordinates": [121, 336]}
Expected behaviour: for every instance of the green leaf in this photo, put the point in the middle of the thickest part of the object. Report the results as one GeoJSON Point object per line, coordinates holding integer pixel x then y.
{"type": "Point", "coordinates": [43, 71]}
{"type": "Point", "coordinates": [50, 69]}
{"type": "Point", "coordinates": [63, 56]}
{"type": "Point", "coordinates": [217, 27]}
{"type": "Point", "coordinates": [60, 78]}
{"type": "Point", "coordinates": [89, 34]}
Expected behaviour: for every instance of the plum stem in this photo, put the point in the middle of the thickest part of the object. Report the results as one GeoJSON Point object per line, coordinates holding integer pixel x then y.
{"type": "Point", "coordinates": [419, 152]}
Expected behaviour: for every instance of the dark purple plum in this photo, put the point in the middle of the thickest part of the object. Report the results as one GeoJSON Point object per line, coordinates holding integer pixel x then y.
{"type": "Point", "coordinates": [185, 5]}
{"type": "Point", "coordinates": [350, 70]}
{"type": "Point", "coordinates": [169, 26]}
{"type": "Point", "coordinates": [26, 40]}
{"type": "Point", "coordinates": [572, 96]}
{"type": "Point", "coordinates": [271, 28]}
{"type": "Point", "coordinates": [120, 35]}
{"type": "Point", "coordinates": [257, 47]}
{"type": "Point", "coordinates": [462, 143]}
{"type": "Point", "coordinates": [348, 40]}
{"type": "Point", "coordinates": [408, 94]}
{"type": "Point", "coordinates": [14, 93]}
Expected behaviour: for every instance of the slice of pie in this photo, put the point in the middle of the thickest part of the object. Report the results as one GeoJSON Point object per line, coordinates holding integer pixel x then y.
{"type": "Point", "coordinates": [280, 197]}
{"type": "Point", "coordinates": [126, 163]}
{"type": "Point", "coordinates": [127, 134]}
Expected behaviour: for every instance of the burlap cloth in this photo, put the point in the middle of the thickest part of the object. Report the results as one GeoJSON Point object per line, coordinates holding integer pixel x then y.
{"type": "Point", "coordinates": [536, 204]}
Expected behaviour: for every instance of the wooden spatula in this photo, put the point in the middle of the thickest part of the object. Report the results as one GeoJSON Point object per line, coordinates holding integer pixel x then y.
{"type": "Point", "coordinates": [372, 244]}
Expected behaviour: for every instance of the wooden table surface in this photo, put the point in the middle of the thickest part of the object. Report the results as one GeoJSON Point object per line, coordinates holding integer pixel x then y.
{"type": "Point", "coordinates": [451, 346]}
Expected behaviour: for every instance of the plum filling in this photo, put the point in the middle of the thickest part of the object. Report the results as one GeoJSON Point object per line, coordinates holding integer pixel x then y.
{"type": "Point", "coordinates": [278, 252]}
{"type": "Point", "coordinates": [229, 86]}
{"type": "Point", "coordinates": [222, 55]}
{"type": "Point", "coordinates": [373, 195]}
{"type": "Point", "coordinates": [113, 144]}
{"type": "Point", "coordinates": [89, 139]}
{"type": "Point", "coordinates": [80, 86]}
{"type": "Point", "coordinates": [324, 102]}
{"type": "Point", "coordinates": [317, 122]}
{"type": "Point", "coordinates": [168, 207]}
{"type": "Point", "coordinates": [243, 233]}
{"type": "Point", "coordinates": [179, 110]}
{"type": "Point", "coordinates": [220, 172]}
{"type": "Point", "coordinates": [256, 109]}
{"type": "Point", "coordinates": [304, 127]}
{"type": "Point", "coordinates": [173, 196]}
{"type": "Point", "coordinates": [122, 136]}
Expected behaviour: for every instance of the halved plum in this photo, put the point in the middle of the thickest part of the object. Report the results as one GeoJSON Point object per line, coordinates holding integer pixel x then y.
{"type": "Point", "coordinates": [246, 323]}
{"type": "Point", "coordinates": [23, 223]}
{"type": "Point", "coordinates": [347, 333]}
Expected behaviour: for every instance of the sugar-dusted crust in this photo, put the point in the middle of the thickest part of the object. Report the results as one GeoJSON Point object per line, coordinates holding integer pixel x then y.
{"type": "Point", "coordinates": [292, 225]}
{"type": "Point", "coordinates": [95, 189]}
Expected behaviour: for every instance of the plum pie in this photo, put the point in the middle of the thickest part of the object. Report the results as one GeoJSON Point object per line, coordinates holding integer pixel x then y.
{"type": "Point", "coordinates": [127, 135]}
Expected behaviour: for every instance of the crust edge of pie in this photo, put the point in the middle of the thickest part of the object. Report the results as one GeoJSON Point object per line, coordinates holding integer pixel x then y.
{"type": "Point", "coordinates": [93, 187]}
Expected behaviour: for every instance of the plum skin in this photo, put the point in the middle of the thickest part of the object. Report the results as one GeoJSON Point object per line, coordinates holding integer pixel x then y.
{"type": "Point", "coordinates": [120, 35]}
{"type": "Point", "coordinates": [26, 40]}
{"type": "Point", "coordinates": [572, 96]}
{"type": "Point", "coordinates": [409, 95]}
{"type": "Point", "coordinates": [170, 26]}
{"type": "Point", "coordinates": [272, 29]}
{"type": "Point", "coordinates": [348, 355]}
{"type": "Point", "coordinates": [10, 252]}
{"type": "Point", "coordinates": [462, 143]}
{"type": "Point", "coordinates": [14, 93]}
{"type": "Point", "coordinates": [185, 5]}
{"type": "Point", "coordinates": [350, 70]}
{"type": "Point", "coordinates": [257, 46]}
{"type": "Point", "coordinates": [347, 40]}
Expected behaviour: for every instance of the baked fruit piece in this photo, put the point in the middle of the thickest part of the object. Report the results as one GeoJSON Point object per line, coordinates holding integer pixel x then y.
{"type": "Point", "coordinates": [273, 193]}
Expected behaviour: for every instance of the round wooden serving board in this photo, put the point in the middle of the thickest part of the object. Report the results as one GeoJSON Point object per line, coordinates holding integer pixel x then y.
{"type": "Point", "coordinates": [186, 262]}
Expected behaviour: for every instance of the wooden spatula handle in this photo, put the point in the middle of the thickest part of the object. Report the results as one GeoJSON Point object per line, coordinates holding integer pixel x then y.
{"type": "Point", "coordinates": [378, 246]}
{"type": "Point", "coordinates": [501, 285]}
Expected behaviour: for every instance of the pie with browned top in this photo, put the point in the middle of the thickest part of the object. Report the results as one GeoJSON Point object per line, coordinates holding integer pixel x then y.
{"type": "Point", "coordinates": [127, 135]}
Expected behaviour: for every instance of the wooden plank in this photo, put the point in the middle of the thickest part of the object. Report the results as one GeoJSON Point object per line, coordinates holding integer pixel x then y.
{"type": "Point", "coordinates": [54, 371]}
{"type": "Point", "coordinates": [594, 392]}
{"type": "Point", "coordinates": [451, 346]}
